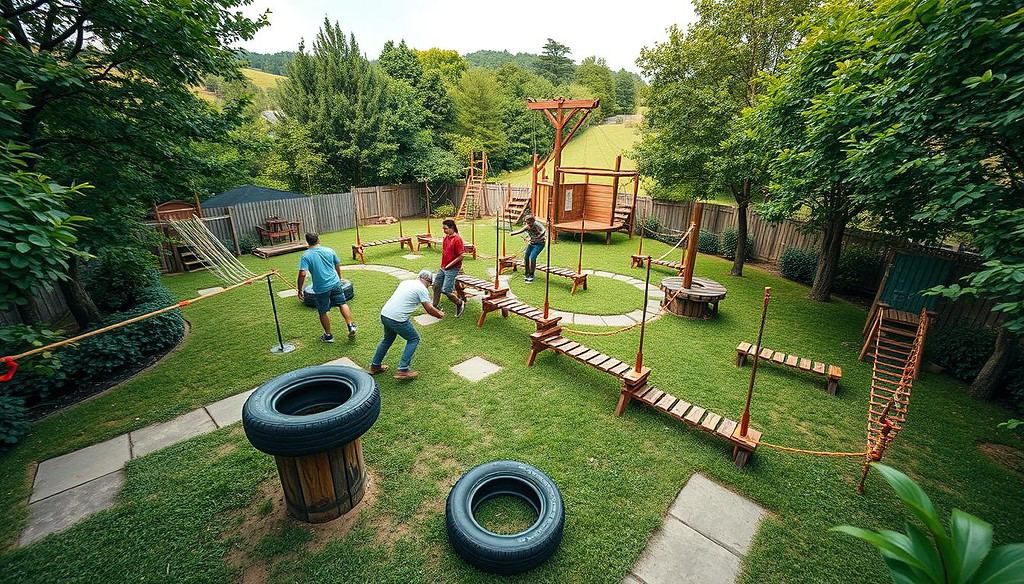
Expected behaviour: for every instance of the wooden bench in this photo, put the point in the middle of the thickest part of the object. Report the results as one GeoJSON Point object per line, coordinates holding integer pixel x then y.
{"type": "Point", "coordinates": [431, 240]}
{"type": "Point", "coordinates": [637, 261]}
{"type": "Point", "coordinates": [360, 249]}
{"type": "Point", "coordinates": [512, 262]}
{"type": "Point", "coordinates": [832, 373]}
{"type": "Point", "coordinates": [635, 386]}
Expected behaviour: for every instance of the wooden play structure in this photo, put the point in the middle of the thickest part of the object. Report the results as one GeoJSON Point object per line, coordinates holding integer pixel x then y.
{"type": "Point", "coordinates": [685, 294]}
{"type": "Point", "coordinates": [578, 207]}
{"type": "Point", "coordinates": [579, 278]}
{"type": "Point", "coordinates": [474, 202]}
{"type": "Point", "coordinates": [273, 229]}
{"type": "Point", "coordinates": [173, 253]}
{"type": "Point", "coordinates": [359, 247]}
{"type": "Point", "coordinates": [892, 378]}
{"type": "Point", "coordinates": [832, 373]}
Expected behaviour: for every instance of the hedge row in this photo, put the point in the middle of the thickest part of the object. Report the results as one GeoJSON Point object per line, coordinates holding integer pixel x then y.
{"type": "Point", "coordinates": [859, 268]}
{"type": "Point", "coordinates": [707, 243]}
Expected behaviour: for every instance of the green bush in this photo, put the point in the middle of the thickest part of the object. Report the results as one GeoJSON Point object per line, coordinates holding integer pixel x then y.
{"type": "Point", "coordinates": [13, 420]}
{"type": "Point", "coordinates": [248, 242]}
{"type": "Point", "coordinates": [650, 225]}
{"type": "Point", "coordinates": [962, 351]}
{"type": "Point", "coordinates": [709, 243]}
{"type": "Point", "coordinates": [798, 264]}
{"type": "Point", "coordinates": [118, 274]}
{"type": "Point", "coordinates": [96, 358]}
{"type": "Point", "coordinates": [444, 211]}
{"type": "Point", "coordinates": [1015, 387]}
{"type": "Point", "coordinates": [859, 270]}
{"type": "Point", "coordinates": [729, 239]}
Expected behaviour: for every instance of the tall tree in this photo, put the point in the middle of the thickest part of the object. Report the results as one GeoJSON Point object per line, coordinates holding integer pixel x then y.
{"type": "Point", "coordinates": [593, 72]}
{"type": "Point", "coordinates": [365, 124]}
{"type": "Point", "coordinates": [625, 91]}
{"type": "Point", "coordinates": [478, 106]}
{"type": "Point", "coordinates": [446, 63]}
{"type": "Point", "coordinates": [701, 81]}
{"type": "Point", "coordinates": [112, 103]}
{"type": "Point", "coordinates": [554, 63]}
{"type": "Point", "coordinates": [527, 132]}
{"type": "Point", "coordinates": [400, 62]}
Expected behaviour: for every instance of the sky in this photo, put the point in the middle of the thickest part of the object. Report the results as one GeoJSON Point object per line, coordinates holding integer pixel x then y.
{"type": "Point", "coordinates": [615, 31]}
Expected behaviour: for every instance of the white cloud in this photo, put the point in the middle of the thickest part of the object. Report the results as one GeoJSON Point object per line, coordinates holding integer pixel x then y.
{"type": "Point", "coordinates": [615, 31]}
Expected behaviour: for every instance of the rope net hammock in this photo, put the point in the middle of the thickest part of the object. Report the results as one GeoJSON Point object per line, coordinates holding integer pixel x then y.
{"type": "Point", "coordinates": [210, 251]}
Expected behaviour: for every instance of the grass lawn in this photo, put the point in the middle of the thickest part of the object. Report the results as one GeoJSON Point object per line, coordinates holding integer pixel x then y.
{"type": "Point", "coordinates": [262, 79]}
{"type": "Point", "coordinates": [208, 510]}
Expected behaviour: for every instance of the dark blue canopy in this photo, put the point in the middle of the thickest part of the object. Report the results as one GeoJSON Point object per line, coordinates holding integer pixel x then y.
{"type": "Point", "coordinates": [247, 194]}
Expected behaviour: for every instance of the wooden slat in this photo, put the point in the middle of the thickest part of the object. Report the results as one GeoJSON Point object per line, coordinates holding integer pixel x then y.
{"type": "Point", "coordinates": [578, 350]}
{"type": "Point", "coordinates": [726, 428]}
{"type": "Point", "coordinates": [766, 353]}
{"type": "Point", "coordinates": [679, 410]}
{"type": "Point", "coordinates": [666, 402]}
{"type": "Point", "coordinates": [596, 361]}
{"type": "Point", "coordinates": [587, 355]}
{"type": "Point", "coordinates": [621, 369]}
{"type": "Point", "coordinates": [743, 347]}
{"type": "Point", "coordinates": [711, 421]}
{"type": "Point", "coordinates": [695, 415]}
{"type": "Point", "coordinates": [610, 364]}
{"type": "Point", "coordinates": [792, 360]}
{"type": "Point", "coordinates": [819, 368]}
{"type": "Point", "coordinates": [805, 364]}
{"type": "Point", "coordinates": [779, 357]}
{"type": "Point", "coordinates": [568, 347]}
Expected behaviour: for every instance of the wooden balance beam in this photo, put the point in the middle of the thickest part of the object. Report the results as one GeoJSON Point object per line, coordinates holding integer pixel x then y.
{"type": "Point", "coordinates": [360, 249]}
{"type": "Point", "coordinates": [832, 373]}
{"type": "Point", "coordinates": [634, 386]}
{"type": "Point", "coordinates": [512, 262]}
{"type": "Point", "coordinates": [637, 261]}
{"type": "Point", "coordinates": [431, 240]}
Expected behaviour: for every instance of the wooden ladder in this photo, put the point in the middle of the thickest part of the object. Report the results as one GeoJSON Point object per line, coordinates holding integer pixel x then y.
{"type": "Point", "coordinates": [891, 335]}
{"type": "Point", "coordinates": [515, 209]}
{"type": "Point", "coordinates": [892, 378]}
{"type": "Point", "coordinates": [473, 194]}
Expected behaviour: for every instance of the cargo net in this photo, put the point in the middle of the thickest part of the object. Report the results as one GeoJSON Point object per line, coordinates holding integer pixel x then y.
{"type": "Point", "coordinates": [210, 251]}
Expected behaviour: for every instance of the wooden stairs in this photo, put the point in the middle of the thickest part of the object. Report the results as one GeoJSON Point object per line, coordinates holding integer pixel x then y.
{"type": "Point", "coordinates": [624, 213]}
{"type": "Point", "coordinates": [890, 335]}
{"type": "Point", "coordinates": [515, 209]}
{"type": "Point", "coordinates": [189, 261]}
{"type": "Point", "coordinates": [473, 200]}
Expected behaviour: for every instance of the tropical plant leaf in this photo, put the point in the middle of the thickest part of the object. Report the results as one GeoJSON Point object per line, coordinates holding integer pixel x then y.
{"type": "Point", "coordinates": [914, 498]}
{"type": "Point", "coordinates": [890, 544]}
{"type": "Point", "coordinates": [1003, 565]}
{"type": "Point", "coordinates": [972, 540]}
{"type": "Point", "coordinates": [924, 550]}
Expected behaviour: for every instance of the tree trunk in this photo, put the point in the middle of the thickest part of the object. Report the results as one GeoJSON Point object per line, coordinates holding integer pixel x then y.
{"type": "Point", "coordinates": [27, 313]}
{"type": "Point", "coordinates": [79, 303]}
{"type": "Point", "coordinates": [741, 235]}
{"type": "Point", "coordinates": [828, 258]}
{"type": "Point", "coordinates": [992, 372]}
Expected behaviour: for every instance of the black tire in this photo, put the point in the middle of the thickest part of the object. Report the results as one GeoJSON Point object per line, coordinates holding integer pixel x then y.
{"type": "Point", "coordinates": [505, 554]}
{"type": "Point", "coordinates": [310, 410]}
{"type": "Point", "coordinates": [346, 287]}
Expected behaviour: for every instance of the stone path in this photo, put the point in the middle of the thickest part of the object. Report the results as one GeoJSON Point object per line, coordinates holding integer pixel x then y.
{"type": "Point", "coordinates": [704, 537]}
{"type": "Point", "coordinates": [69, 488]}
{"type": "Point", "coordinates": [475, 369]}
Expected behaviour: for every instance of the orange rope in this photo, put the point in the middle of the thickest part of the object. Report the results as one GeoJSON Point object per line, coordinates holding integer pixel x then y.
{"type": "Point", "coordinates": [814, 452]}
{"type": "Point", "coordinates": [133, 320]}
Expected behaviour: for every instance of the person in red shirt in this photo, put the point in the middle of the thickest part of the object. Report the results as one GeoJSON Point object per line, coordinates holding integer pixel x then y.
{"type": "Point", "coordinates": [452, 249]}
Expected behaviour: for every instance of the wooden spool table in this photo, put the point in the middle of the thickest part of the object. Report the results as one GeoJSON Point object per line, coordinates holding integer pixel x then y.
{"type": "Point", "coordinates": [700, 300]}
{"type": "Point", "coordinates": [323, 486]}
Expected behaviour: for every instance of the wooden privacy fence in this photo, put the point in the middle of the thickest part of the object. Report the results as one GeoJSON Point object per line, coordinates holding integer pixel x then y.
{"type": "Point", "coordinates": [47, 303]}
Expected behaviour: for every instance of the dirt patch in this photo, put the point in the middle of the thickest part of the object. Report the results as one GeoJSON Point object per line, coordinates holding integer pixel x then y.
{"type": "Point", "coordinates": [224, 450]}
{"type": "Point", "coordinates": [255, 574]}
{"type": "Point", "coordinates": [1004, 455]}
{"type": "Point", "coordinates": [433, 461]}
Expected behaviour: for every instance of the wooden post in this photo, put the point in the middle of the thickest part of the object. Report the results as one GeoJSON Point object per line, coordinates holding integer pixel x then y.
{"type": "Point", "coordinates": [615, 189]}
{"type": "Point", "coordinates": [639, 365]}
{"type": "Point", "coordinates": [427, 188]}
{"type": "Point", "coordinates": [556, 179]}
{"type": "Point", "coordinates": [497, 256]}
{"type": "Point", "coordinates": [533, 185]}
{"type": "Point", "coordinates": [355, 209]}
{"type": "Point", "coordinates": [234, 232]}
{"type": "Point", "coordinates": [583, 223]}
{"type": "Point", "coordinates": [632, 215]}
{"type": "Point", "coordinates": [508, 201]}
{"type": "Point", "coordinates": [690, 255]}
{"type": "Point", "coordinates": [199, 207]}
{"type": "Point", "coordinates": [745, 419]}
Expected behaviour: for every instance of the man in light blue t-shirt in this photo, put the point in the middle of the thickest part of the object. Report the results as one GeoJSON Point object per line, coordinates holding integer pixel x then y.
{"type": "Point", "coordinates": [323, 265]}
{"type": "Point", "coordinates": [409, 296]}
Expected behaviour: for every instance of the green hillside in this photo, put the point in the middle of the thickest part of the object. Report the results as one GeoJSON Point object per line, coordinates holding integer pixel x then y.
{"type": "Point", "coordinates": [262, 79]}
{"type": "Point", "coordinates": [597, 146]}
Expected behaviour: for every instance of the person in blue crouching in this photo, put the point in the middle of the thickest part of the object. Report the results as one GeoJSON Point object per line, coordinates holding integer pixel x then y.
{"type": "Point", "coordinates": [323, 266]}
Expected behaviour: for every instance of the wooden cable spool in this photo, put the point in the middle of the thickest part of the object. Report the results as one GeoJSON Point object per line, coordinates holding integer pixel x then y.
{"type": "Point", "coordinates": [323, 486]}
{"type": "Point", "coordinates": [700, 300]}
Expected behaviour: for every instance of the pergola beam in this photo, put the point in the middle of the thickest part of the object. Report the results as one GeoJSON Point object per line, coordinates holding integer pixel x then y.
{"type": "Point", "coordinates": [563, 103]}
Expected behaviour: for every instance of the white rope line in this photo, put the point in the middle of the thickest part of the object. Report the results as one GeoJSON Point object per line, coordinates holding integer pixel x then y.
{"type": "Point", "coordinates": [678, 243]}
{"type": "Point", "coordinates": [210, 251]}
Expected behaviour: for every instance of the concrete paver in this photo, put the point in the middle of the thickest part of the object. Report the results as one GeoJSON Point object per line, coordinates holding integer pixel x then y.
{"type": "Point", "coordinates": [344, 361]}
{"type": "Point", "coordinates": [588, 319]}
{"type": "Point", "coordinates": [158, 436]}
{"type": "Point", "coordinates": [72, 469]}
{"type": "Point", "coordinates": [718, 513]}
{"type": "Point", "coordinates": [475, 369]}
{"type": "Point", "coordinates": [64, 509]}
{"type": "Point", "coordinates": [290, 293]}
{"type": "Point", "coordinates": [208, 291]}
{"type": "Point", "coordinates": [426, 319]}
{"type": "Point", "coordinates": [228, 410]}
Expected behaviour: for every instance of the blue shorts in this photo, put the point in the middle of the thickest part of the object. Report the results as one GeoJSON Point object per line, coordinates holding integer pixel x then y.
{"type": "Point", "coordinates": [333, 297]}
{"type": "Point", "coordinates": [445, 280]}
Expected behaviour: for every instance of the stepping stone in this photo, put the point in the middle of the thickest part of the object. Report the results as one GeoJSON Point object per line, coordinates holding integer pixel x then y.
{"type": "Point", "coordinates": [407, 276]}
{"type": "Point", "coordinates": [208, 291]}
{"type": "Point", "coordinates": [655, 294]}
{"type": "Point", "coordinates": [426, 319]}
{"type": "Point", "coordinates": [604, 274]}
{"type": "Point", "coordinates": [622, 278]}
{"type": "Point", "coordinates": [71, 506]}
{"type": "Point", "coordinates": [475, 369]}
{"type": "Point", "coordinates": [70, 470]}
{"type": "Point", "coordinates": [228, 410]}
{"type": "Point", "coordinates": [677, 554]}
{"type": "Point", "coordinates": [618, 320]}
{"type": "Point", "coordinates": [288, 293]}
{"type": "Point", "coordinates": [157, 436]}
{"type": "Point", "coordinates": [636, 315]}
{"type": "Point", "coordinates": [588, 319]}
{"type": "Point", "coordinates": [345, 361]}
{"type": "Point", "coordinates": [718, 513]}
{"type": "Point", "coordinates": [412, 256]}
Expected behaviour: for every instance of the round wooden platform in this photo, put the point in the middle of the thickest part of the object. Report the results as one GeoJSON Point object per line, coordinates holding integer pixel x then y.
{"type": "Point", "coordinates": [700, 300]}
{"type": "Point", "coordinates": [587, 227]}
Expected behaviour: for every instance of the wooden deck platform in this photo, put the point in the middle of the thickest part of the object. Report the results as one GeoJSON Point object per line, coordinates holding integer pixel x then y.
{"type": "Point", "coordinates": [360, 249]}
{"type": "Point", "coordinates": [637, 261]}
{"type": "Point", "coordinates": [279, 249]}
{"type": "Point", "coordinates": [513, 263]}
{"type": "Point", "coordinates": [832, 373]}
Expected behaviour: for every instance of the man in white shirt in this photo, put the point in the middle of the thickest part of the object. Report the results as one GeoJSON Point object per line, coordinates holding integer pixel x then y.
{"type": "Point", "coordinates": [408, 297]}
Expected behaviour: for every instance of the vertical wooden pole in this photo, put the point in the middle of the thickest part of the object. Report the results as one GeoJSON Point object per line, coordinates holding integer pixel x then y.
{"type": "Point", "coordinates": [426, 187]}
{"type": "Point", "coordinates": [615, 189]}
{"type": "Point", "coordinates": [632, 215]}
{"type": "Point", "coordinates": [745, 420]}
{"type": "Point", "coordinates": [583, 223]}
{"type": "Point", "coordinates": [555, 181]}
{"type": "Point", "coordinates": [534, 195]}
{"type": "Point", "coordinates": [199, 207]}
{"type": "Point", "coordinates": [690, 255]}
{"type": "Point", "coordinates": [497, 256]}
{"type": "Point", "coordinates": [355, 209]}
{"type": "Point", "coordinates": [234, 232]}
{"type": "Point", "coordinates": [639, 365]}
{"type": "Point", "coordinates": [508, 201]}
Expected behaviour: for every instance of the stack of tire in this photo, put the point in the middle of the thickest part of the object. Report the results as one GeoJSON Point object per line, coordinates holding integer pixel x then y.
{"type": "Point", "coordinates": [497, 553]}
{"type": "Point", "coordinates": [346, 288]}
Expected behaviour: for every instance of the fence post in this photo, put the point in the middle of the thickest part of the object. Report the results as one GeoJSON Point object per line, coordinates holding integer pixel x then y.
{"type": "Point", "coordinates": [234, 232]}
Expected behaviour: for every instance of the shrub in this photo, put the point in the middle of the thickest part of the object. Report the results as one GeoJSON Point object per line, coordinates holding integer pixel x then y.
{"type": "Point", "coordinates": [963, 351]}
{"type": "Point", "coordinates": [798, 264]}
{"type": "Point", "coordinates": [1015, 387]}
{"type": "Point", "coordinates": [709, 243]}
{"type": "Point", "coordinates": [248, 242]}
{"type": "Point", "coordinates": [13, 420]}
{"type": "Point", "coordinates": [444, 210]}
{"type": "Point", "coordinates": [728, 248]}
{"type": "Point", "coordinates": [118, 274]}
{"type": "Point", "coordinates": [650, 225]}
{"type": "Point", "coordinates": [859, 269]}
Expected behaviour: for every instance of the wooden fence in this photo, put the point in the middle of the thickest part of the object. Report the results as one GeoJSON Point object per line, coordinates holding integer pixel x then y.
{"type": "Point", "coordinates": [47, 303]}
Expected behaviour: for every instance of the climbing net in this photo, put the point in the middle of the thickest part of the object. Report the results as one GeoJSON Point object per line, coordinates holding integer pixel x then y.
{"type": "Point", "coordinates": [210, 251]}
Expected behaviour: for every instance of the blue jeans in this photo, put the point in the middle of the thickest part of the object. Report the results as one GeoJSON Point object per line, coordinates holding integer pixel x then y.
{"type": "Point", "coordinates": [532, 251]}
{"type": "Point", "coordinates": [392, 329]}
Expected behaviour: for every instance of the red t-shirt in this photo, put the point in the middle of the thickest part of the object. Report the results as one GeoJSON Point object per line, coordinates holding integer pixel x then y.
{"type": "Point", "coordinates": [451, 248]}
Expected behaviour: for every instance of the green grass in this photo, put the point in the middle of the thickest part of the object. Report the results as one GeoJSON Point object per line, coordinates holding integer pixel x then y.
{"type": "Point", "coordinates": [262, 79]}
{"type": "Point", "coordinates": [198, 512]}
